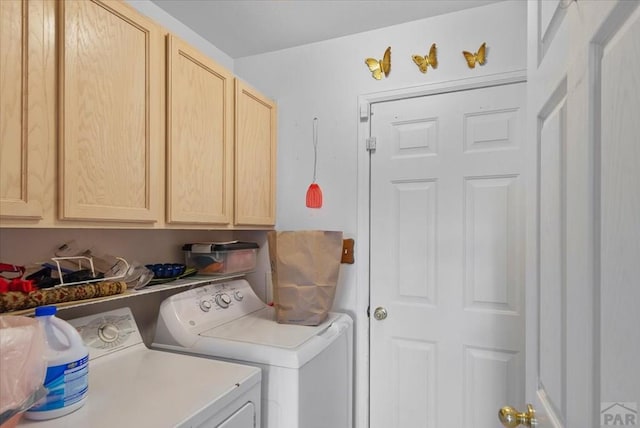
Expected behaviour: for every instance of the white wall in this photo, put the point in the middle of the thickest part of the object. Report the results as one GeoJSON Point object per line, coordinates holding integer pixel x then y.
{"type": "Point", "coordinates": [157, 14]}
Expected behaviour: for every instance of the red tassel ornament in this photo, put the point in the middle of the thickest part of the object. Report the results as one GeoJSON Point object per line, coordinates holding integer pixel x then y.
{"type": "Point", "coordinates": [314, 193]}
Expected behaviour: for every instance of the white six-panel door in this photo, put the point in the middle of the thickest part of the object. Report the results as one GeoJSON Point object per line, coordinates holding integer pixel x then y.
{"type": "Point", "coordinates": [447, 233]}
{"type": "Point", "coordinates": [583, 228]}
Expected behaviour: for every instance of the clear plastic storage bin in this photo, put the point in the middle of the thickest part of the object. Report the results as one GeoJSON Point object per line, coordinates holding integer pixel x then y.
{"type": "Point", "coordinates": [212, 258]}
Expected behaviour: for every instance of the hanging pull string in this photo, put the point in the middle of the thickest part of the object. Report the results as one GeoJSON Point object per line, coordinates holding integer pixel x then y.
{"type": "Point", "coordinates": [315, 147]}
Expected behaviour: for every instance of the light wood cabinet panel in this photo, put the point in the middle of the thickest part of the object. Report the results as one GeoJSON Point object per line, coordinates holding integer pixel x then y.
{"type": "Point", "coordinates": [255, 157]}
{"type": "Point", "coordinates": [27, 123]}
{"type": "Point", "coordinates": [199, 137]}
{"type": "Point", "coordinates": [110, 100]}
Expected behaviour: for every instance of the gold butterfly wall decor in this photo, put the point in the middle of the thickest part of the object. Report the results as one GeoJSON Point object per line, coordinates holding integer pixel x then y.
{"type": "Point", "coordinates": [476, 58]}
{"type": "Point", "coordinates": [380, 67]}
{"type": "Point", "coordinates": [428, 60]}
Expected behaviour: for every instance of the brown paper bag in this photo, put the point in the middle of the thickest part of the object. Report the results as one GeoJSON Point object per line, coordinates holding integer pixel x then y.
{"type": "Point", "coordinates": [305, 266]}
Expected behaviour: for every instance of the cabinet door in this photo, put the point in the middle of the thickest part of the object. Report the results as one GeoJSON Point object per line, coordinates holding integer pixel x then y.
{"type": "Point", "coordinates": [110, 106]}
{"type": "Point", "coordinates": [255, 158]}
{"type": "Point", "coordinates": [27, 130]}
{"type": "Point", "coordinates": [199, 137]}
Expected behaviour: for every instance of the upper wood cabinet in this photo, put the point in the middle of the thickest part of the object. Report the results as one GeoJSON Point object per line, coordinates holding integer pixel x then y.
{"type": "Point", "coordinates": [110, 100]}
{"type": "Point", "coordinates": [103, 124]}
{"type": "Point", "coordinates": [27, 122]}
{"type": "Point", "coordinates": [199, 138]}
{"type": "Point", "coordinates": [255, 157]}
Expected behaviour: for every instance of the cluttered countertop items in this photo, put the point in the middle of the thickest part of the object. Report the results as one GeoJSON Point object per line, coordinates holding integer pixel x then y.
{"type": "Point", "coordinates": [75, 274]}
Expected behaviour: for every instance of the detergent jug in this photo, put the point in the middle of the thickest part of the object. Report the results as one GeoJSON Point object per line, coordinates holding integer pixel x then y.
{"type": "Point", "coordinates": [67, 377]}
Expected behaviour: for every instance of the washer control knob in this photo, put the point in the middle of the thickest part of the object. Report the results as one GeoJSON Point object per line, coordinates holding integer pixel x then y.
{"type": "Point", "coordinates": [108, 333]}
{"type": "Point", "coordinates": [223, 300]}
{"type": "Point", "coordinates": [238, 295]}
{"type": "Point", "coordinates": [205, 305]}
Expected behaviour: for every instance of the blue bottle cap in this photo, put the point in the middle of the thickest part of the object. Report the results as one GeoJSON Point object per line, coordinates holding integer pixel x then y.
{"type": "Point", "coordinates": [43, 311]}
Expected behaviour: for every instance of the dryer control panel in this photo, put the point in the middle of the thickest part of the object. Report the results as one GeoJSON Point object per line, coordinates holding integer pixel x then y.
{"type": "Point", "coordinates": [222, 296]}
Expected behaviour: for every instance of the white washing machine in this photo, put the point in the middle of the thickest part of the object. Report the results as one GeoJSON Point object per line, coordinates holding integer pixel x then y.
{"type": "Point", "coordinates": [306, 371]}
{"type": "Point", "coordinates": [133, 386]}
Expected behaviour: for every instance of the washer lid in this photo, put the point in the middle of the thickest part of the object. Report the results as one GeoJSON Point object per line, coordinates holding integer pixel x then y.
{"type": "Point", "coordinates": [261, 328]}
{"type": "Point", "coordinates": [139, 387]}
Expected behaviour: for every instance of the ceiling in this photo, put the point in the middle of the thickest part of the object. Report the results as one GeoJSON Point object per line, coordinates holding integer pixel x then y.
{"type": "Point", "coordinates": [242, 28]}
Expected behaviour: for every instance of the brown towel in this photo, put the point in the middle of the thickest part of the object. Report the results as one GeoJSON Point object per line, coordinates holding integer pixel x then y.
{"type": "Point", "coordinates": [17, 300]}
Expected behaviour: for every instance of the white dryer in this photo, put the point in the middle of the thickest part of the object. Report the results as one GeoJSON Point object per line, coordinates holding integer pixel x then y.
{"type": "Point", "coordinates": [306, 371]}
{"type": "Point", "coordinates": [133, 386]}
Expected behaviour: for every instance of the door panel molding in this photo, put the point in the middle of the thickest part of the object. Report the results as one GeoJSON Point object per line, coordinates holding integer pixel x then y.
{"type": "Point", "coordinates": [496, 199]}
{"type": "Point", "coordinates": [550, 17]}
{"type": "Point", "coordinates": [410, 257]}
{"type": "Point", "coordinates": [551, 254]}
{"type": "Point", "coordinates": [612, 66]}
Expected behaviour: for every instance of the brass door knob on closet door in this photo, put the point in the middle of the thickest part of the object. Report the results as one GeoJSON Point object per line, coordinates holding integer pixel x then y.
{"type": "Point", "coordinates": [511, 418]}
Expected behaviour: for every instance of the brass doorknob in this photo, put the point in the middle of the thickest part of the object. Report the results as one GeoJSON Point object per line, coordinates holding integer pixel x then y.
{"type": "Point", "coordinates": [511, 418]}
{"type": "Point", "coordinates": [380, 313]}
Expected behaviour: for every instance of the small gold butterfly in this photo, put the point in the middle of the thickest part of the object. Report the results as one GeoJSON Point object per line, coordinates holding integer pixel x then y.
{"type": "Point", "coordinates": [378, 67]}
{"type": "Point", "coordinates": [428, 60]}
{"type": "Point", "coordinates": [476, 58]}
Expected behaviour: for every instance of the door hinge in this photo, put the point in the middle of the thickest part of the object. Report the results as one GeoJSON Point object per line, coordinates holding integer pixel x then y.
{"type": "Point", "coordinates": [371, 144]}
{"type": "Point", "coordinates": [368, 311]}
